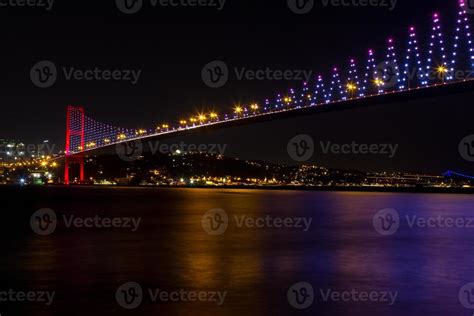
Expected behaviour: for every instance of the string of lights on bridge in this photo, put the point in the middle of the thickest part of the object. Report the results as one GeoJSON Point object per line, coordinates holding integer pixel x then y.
{"type": "Point", "coordinates": [436, 65]}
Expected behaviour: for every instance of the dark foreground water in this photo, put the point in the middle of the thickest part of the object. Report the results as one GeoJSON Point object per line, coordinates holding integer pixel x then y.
{"type": "Point", "coordinates": [260, 253]}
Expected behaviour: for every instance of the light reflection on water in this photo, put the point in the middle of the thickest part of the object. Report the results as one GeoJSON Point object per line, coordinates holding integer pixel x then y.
{"type": "Point", "coordinates": [171, 251]}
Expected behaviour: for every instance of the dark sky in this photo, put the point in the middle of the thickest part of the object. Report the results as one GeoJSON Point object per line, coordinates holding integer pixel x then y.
{"type": "Point", "coordinates": [171, 45]}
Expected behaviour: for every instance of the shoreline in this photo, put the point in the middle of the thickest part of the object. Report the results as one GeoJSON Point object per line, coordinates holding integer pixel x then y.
{"type": "Point", "coordinates": [427, 190]}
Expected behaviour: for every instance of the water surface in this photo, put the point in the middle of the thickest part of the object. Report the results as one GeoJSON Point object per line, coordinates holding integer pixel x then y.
{"type": "Point", "coordinates": [170, 251]}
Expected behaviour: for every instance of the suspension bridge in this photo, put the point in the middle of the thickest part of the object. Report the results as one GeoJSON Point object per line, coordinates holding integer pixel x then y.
{"type": "Point", "coordinates": [442, 64]}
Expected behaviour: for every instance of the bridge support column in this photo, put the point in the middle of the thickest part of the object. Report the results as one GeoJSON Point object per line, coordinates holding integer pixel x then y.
{"type": "Point", "coordinates": [70, 160]}
{"type": "Point", "coordinates": [66, 170]}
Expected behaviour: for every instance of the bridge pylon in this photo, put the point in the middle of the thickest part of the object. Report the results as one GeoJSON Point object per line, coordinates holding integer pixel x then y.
{"type": "Point", "coordinates": [75, 141]}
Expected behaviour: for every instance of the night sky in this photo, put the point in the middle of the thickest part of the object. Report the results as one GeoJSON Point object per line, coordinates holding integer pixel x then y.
{"type": "Point", "coordinates": [171, 45]}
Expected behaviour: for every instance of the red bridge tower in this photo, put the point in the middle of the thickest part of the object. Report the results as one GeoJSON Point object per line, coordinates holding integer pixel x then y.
{"type": "Point", "coordinates": [75, 141]}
